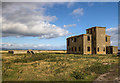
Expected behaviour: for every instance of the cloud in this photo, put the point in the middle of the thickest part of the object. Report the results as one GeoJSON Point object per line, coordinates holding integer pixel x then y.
{"type": "Point", "coordinates": [70, 25]}
{"type": "Point", "coordinates": [78, 11]}
{"type": "Point", "coordinates": [41, 30]}
{"type": "Point", "coordinates": [113, 32]}
{"type": "Point", "coordinates": [29, 19]}
{"type": "Point", "coordinates": [31, 46]}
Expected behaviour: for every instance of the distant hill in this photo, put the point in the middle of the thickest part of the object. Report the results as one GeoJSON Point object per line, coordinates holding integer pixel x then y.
{"type": "Point", "coordinates": [11, 49]}
{"type": "Point", "coordinates": [27, 49]}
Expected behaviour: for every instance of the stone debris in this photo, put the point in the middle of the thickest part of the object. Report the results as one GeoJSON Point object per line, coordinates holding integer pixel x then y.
{"type": "Point", "coordinates": [22, 52]}
{"type": "Point", "coordinates": [11, 52]}
{"type": "Point", "coordinates": [30, 52]}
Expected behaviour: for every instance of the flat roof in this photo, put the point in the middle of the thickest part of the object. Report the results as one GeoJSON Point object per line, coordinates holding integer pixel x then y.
{"type": "Point", "coordinates": [95, 27]}
{"type": "Point", "coordinates": [108, 35]}
{"type": "Point", "coordinates": [78, 36]}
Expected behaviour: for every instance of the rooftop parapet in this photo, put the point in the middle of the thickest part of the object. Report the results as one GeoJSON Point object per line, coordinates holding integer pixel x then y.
{"type": "Point", "coordinates": [95, 27]}
{"type": "Point", "coordinates": [78, 36]}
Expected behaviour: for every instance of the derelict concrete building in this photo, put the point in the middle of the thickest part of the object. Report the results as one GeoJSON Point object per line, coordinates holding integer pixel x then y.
{"type": "Point", "coordinates": [95, 41]}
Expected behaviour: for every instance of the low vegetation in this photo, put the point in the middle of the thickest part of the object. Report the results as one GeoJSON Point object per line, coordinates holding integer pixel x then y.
{"type": "Point", "coordinates": [55, 66]}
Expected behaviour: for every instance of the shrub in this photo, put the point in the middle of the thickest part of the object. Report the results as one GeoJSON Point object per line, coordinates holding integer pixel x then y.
{"type": "Point", "coordinates": [78, 75]}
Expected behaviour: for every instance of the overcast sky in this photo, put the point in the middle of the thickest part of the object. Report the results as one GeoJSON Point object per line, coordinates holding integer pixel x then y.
{"type": "Point", "coordinates": [47, 25]}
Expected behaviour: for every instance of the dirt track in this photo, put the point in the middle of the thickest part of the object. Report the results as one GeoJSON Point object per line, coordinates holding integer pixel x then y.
{"type": "Point", "coordinates": [109, 77]}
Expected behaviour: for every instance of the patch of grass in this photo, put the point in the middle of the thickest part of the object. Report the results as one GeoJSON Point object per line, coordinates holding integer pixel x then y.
{"type": "Point", "coordinates": [7, 54]}
{"type": "Point", "coordinates": [32, 58]}
{"type": "Point", "coordinates": [101, 55]}
{"type": "Point", "coordinates": [99, 68]}
{"type": "Point", "coordinates": [9, 72]}
{"type": "Point", "coordinates": [114, 55]}
{"type": "Point", "coordinates": [78, 75]}
{"type": "Point", "coordinates": [55, 66]}
{"type": "Point", "coordinates": [55, 60]}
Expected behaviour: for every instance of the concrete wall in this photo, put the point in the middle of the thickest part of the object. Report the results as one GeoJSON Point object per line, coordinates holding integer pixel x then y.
{"type": "Point", "coordinates": [97, 42]}
{"type": "Point", "coordinates": [17, 51]}
{"type": "Point", "coordinates": [93, 43]}
{"type": "Point", "coordinates": [36, 51]}
{"type": "Point", "coordinates": [100, 41]}
{"type": "Point", "coordinates": [20, 52]}
{"type": "Point", "coordinates": [72, 44]}
{"type": "Point", "coordinates": [81, 45]}
{"type": "Point", "coordinates": [108, 40]}
{"type": "Point", "coordinates": [112, 49]}
{"type": "Point", "coordinates": [115, 49]}
{"type": "Point", "coordinates": [87, 44]}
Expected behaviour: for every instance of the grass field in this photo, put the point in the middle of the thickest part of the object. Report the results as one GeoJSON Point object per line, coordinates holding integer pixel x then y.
{"type": "Point", "coordinates": [55, 66]}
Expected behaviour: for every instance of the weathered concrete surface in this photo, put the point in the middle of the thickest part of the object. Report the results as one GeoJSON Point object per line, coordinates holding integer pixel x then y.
{"type": "Point", "coordinates": [34, 51]}
{"type": "Point", "coordinates": [112, 49]}
{"type": "Point", "coordinates": [93, 42]}
{"type": "Point", "coordinates": [3, 51]}
{"type": "Point", "coordinates": [23, 51]}
{"type": "Point", "coordinates": [17, 51]}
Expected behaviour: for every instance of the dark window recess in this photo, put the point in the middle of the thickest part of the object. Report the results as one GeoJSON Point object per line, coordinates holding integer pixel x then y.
{"type": "Point", "coordinates": [88, 31]}
{"type": "Point", "coordinates": [68, 42]}
{"type": "Point", "coordinates": [98, 49]}
{"type": "Point", "coordinates": [72, 48]}
{"type": "Point", "coordinates": [72, 39]}
{"type": "Point", "coordinates": [94, 48]}
{"type": "Point", "coordinates": [75, 39]}
{"type": "Point", "coordinates": [88, 38]}
{"type": "Point", "coordinates": [103, 49]}
{"type": "Point", "coordinates": [92, 38]}
{"type": "Point", "coordinates": [88, 48]}
{"type": "Point", "coordinates": [91, 31]}
{"type": "Point", "coordinates": [94, 29]}
{"type": "Point", "coordinates": [79, 48]}
{"type": "Point", "coordinates": [106, 39]}
{"type": "Point", "coordinates": [75, 49]}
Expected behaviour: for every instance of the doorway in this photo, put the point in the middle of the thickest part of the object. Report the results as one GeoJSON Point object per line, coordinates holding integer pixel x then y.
{"type": "Point", "coordinates": [111, 51]}
{"type": "Point", "coordinates": [95, 50]}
